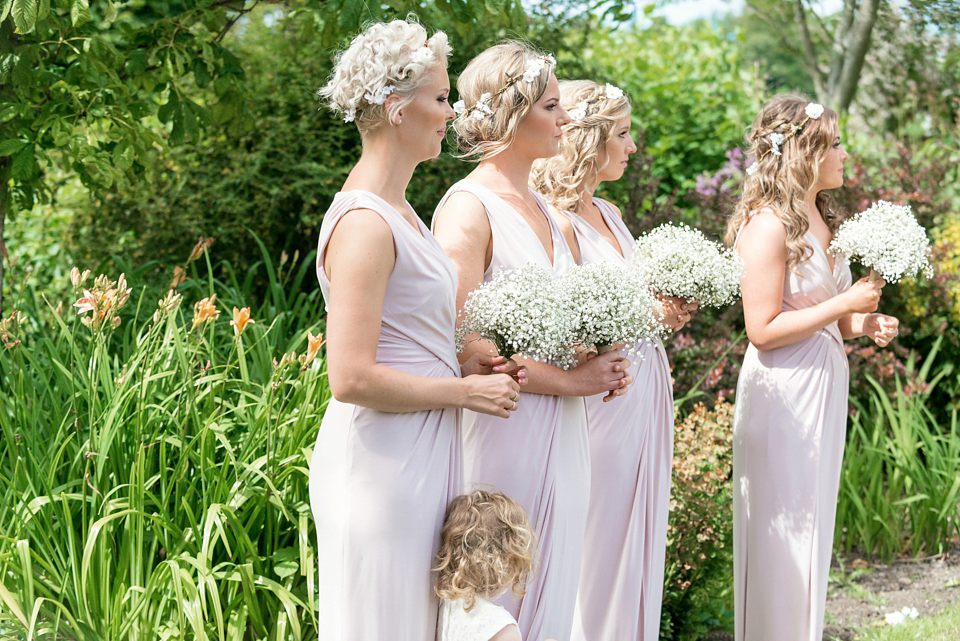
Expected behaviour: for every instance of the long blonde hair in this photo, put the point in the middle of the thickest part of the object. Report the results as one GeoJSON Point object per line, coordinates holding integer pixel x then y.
{"type": "Point", "coordinates": [486, 546]}
{"type": "Point", "coordinates": [561, 179]}
{"type": "Point", "coordinates": [781, 182]}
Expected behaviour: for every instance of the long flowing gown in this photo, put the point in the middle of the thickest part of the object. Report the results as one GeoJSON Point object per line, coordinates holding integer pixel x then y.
{"type": "Point", "coordinates": [789, 429]}
{"type": "Point", "coordinates": [631, 456]}
{"type": "Point", "coordinates": [380, 482]}
{"type": "Point", "coordinates": [539, 455]}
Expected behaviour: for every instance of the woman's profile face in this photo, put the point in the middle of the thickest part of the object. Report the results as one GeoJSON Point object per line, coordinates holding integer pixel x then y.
{"type": "Point", "coordinates": [424, 121]}
{"type": "Point", "coordinates": [539, 132]}
{"type": "Point", "coordinates": [831, 168]}
{"type": "Point", "coordinates": [617, 151]}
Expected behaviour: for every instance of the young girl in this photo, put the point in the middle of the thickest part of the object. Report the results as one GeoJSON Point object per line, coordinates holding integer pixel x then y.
{"type": "Point", "coordinates": [799, 304]}
{"type": "Point", "coordinates": [387, 458]}
{"type": "Point", "coordinates": [486, 548]}
{"type": "Point", "coordinates": [631, 441]}
{"type": "Point", "coordinates": [490, 221]}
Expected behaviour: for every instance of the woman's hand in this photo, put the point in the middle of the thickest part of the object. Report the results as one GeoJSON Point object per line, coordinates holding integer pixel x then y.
{"type": "Point", "coordinates": [881, 328]}
{"type": "Point", "coordinates": [480, 363]}
{"type": "Point", "coordinates": [863, 297]}
{"type": "Point", "coordinates": [601, 373]}
{"type": "Point", "coordinates": [495, 394]}
{"type": "Point", "coordinates": [676, 311]}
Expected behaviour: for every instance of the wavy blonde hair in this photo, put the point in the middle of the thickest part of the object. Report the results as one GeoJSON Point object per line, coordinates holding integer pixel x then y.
{"type": "Point", "coordinates": [489, 72]}
{"type": "Point", "coordinates": [561, 178]}
{"type": "Point", "coordinates": [782, 182]}
{"type": "Point", "coordinates": [486, 546]}
{"type": "Point", "coordinates": [379, 56]}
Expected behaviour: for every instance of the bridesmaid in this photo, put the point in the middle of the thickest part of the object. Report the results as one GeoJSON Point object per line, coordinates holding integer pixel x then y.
{"type": "Point", "coordinates": [491, 221]}
{"type": "Point", "coordinates": [789, 424]}
{"type": "Point", "coordinates": [387, 458]}
{"type": "Point", "coordinates": [631, 441]}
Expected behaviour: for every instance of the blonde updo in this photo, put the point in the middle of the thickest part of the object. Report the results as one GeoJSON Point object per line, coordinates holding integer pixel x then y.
{"type": "Point", "coordinates": [782, 182]}
{"type": "Point", "coordinates": [486, 546]}
{"type": "Point", "coordinates": [496, 71]}
{"type": "Point", "coordinates": [562, 178]}
{"type": "Point", "coordinates": [380, 56]}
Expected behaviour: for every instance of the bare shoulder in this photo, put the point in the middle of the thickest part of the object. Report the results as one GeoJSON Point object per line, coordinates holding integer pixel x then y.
{"type": "Point", "coordinates": [764, 226]}
{"type": "Point", "coordinates": [508, 633]}
{"type": "Point", "coordinates": [615, 209]}
{"type": "Point", "coordinates": [364, 226]}
{"type": "Point", "coordinates": [461, 209]}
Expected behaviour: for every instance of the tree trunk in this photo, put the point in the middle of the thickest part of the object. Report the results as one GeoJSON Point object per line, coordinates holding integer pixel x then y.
{"type": "Point", "coordinates": [856, 45]}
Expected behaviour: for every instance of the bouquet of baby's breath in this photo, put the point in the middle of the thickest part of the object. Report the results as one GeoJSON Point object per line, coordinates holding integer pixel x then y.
{"type": "Point", "coordinates": [679, 261]}
{"type": "Point", "coordinates": [522, 311]}
{"type": "Point", "coordinates": [610, 305]}
{"type": "Point", "coordinates": [887, 239]}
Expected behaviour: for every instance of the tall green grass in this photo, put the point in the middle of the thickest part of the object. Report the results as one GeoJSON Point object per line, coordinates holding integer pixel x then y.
{"type": "Point", "coordinates": [153, 478]}
{"type": "Point", "coordinates": [900, 484]}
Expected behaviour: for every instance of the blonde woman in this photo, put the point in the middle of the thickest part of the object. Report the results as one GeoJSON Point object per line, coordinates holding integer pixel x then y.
{"type": "Point", "coordinates": [387, 458]}
{"type": "Point", "coordinates": [631, 441]}
{"type": "Point", "coordinates": [799, 304]}
{"type": "Point", "coordinates": [492, 221]}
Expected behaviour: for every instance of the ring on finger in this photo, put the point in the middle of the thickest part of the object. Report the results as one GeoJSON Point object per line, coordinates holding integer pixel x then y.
{"type": "Point", "coordinates": [515, 406]}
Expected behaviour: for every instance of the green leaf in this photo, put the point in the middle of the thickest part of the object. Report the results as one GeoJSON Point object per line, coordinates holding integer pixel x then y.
{"type": "Point", "coordinates": [79, 12]}
{"type": "Point", "coordinates": [5, 9]}
{"type": "Point", "coordinates": [25, 15]}
{"type": "Point", "coordinates": [10, 147]}
{"type": "Point", "coordinates": [22, 167]}
{"type": "Point", "coordinates": [111, 14]}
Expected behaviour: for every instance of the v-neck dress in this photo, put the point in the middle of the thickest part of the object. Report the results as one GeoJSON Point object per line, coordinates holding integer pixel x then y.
{"type": "Point", "coordinates": [539, 456]}
{"type": "Point", "coordinates": [631, 457]}
{"type": "Point", "coordinates": [380, 481]}
{"type": "Point", "coordinates": [789, 429]}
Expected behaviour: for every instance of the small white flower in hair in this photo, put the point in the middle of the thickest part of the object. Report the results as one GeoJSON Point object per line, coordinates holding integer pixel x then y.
{"type": "Point", "coordinates": [349, 115]}
{"type": "Point", "coordinates": [776, 140]}
{"type": "Point", "coordinates": [752, 169]}
{"type": "Point", "coordinates": [613, 92]}
{"type": "Point", "coordinates": [380, 96]}
{"type": "Point", "coordinates": [580, 111]}
{"type": "Point", "coordinates": [459, 107]}
{"type": "Point", "coordinates": [814, 111]}
{"type": "Point", "coordinates": [422, 54]}
{"type": "Point", "coordinates": [536, 66]}
{"type": "Point", "coordinates": [482, 109]}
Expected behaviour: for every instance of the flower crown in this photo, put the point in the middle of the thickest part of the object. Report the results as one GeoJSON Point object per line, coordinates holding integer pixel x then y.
{"type": "Point", "coordinates": [813, 110]}
{"type": "Point", "coordinates": [379, 96]}
{"type": "Point", "coordinates": [582, 110]}
{"type": "Point", "coordinates": [533, 71]}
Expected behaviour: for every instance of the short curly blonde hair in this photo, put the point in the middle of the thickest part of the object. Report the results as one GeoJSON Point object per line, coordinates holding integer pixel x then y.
{"type": "Point", "coordinates": [380, 56]}
{"type": "Point", "coordinates": [495, 71]}
{"type": "Point", "coordinates": [486, 546]}
{"type": "Point", "coordinates": [562, 178]}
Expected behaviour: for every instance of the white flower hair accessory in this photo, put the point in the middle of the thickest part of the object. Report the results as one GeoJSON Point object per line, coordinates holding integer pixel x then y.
{"type": "Point", "coordinates": [422, 54]}
{"type": "Point", "coordinates": [813, 110]}
{"type": "Point", "coordinates": [379, 96]}
{"type": "Point", "coordinates": [459, 107]}
{"type": "Point", "coordinates": [582, 110]}
{"type": "Point", "coordinates": [350, 114]}
{"type": "Point", "coordinates": [533, 71]}
{"type": "Point", "coordinates": [612, 92]}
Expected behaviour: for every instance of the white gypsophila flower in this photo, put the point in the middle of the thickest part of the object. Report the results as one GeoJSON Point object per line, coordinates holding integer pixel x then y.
{"type": "Point", "coordinates": [776, 140]}
{"type": "Point", "coordinates": [679, 261]}
{"type": "Point", "coordinates": [380, 95]}
{"type": "Point", "coordinates": [814, 110]}
{"type": "Point", "coordinates": [752, 169]}
{"type": "Point", "coordinates": [349, 114]}
{"type": "Point", "coordinates": [482, 109]}
{"type": "Point", "coordinates": [580, 111]}
{"type": "Point", "coordinates": [612, 92]}
{"type": "Point", "coordinates": [610, 305]}
{"type": "Point", "coordinates": [459, 107]}
{"type": "Point", "coordinates": [422, 54]}
{"type": "Point", "coordinates": [887, 239]}
{"type": "Point", "coordinates": [522, 311]}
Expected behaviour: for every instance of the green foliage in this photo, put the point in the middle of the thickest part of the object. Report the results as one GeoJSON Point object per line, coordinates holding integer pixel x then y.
{"type": "Point", "coordinates": [153, 478]}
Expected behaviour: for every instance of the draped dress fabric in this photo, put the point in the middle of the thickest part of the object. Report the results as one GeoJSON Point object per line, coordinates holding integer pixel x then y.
{"type": "Point", "coordinates": [539, 456]}
{"type": "Point", "coordinates": [789, 429]}
{"type": "Point", "coordinates": [631, 457]}
{"type": "Point", "coordinates": [380, 481]}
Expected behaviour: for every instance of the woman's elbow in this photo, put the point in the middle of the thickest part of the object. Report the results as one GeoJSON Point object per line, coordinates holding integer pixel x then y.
{"type": "Point", "coordinates": [347, 388]}
{"type": "Point", "coordinates": [760, 341]}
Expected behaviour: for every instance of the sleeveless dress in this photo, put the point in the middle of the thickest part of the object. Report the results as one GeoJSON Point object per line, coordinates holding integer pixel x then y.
{"type": "Point", "coordinates": [539, 456]}
{"type": "Point", "coordinates": [789, 429]}
{"type": "Point", "coordinates": [484, 620]}
{"type": "Point", "coordinates": [631, 458]}
{"type": "Point", "coordinates": [380, 482]}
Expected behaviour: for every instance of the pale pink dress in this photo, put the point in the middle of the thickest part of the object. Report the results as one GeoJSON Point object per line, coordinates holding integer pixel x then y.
{"type": "Point", "coordinates": [380, 482]}
{"type": "Point", "coordinates": [631, 456]}
{"type": "Point", "coordinates": [539, 455]}
{"type": "Point", "coordinates": [789, 429]}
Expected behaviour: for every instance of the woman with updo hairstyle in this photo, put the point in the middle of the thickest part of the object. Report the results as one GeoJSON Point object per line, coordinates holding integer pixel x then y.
{"type": "Point", "coordinates": [631, 441]}
{"type": "Point", "coordinates": [492, 221]}
{"type": "Point", "coordinates": [789, 426]}
{"type": "Point", "coordinates": [388, 455]}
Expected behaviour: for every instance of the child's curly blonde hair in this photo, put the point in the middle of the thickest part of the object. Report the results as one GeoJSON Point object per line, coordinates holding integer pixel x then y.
{"type": "Point", "coordinates": [486, 546]}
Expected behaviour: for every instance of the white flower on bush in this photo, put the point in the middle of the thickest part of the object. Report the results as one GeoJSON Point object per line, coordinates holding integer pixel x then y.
{"type": "Point", "coordinates": [522, 311]}
{"type": "Point", "coordinates": [679, 261]}
{"type": "Point", "coordinates": [610, 305]}
{"type": "Point", "coordinates": [897, 618]}
{"type": "Point", "coordinates": [887, 239]}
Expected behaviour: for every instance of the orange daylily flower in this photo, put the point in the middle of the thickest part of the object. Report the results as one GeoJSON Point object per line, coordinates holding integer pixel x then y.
{"type": "Point", "coordinates": [179, 275]}
{"type": "Point", "coordinates": [205, 310]}
{"type": "Point", "coordinates": [314, 343]}
{"type": "Point", "coordinates": [202, 245]}
{"type": "Point", "coordinates": [241, 317]}
{"type": "Point", "coordinates": [77, 278]}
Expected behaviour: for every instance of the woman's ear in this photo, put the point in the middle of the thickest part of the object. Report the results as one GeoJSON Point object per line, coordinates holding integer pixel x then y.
{"type": "Point", "coordinates": [390, 101]}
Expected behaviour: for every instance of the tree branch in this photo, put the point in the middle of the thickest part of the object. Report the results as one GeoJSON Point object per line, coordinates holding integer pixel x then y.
{"type": "Point", "coordinates": [819, 81]}
{"type": "Point", "coordinates": [856, 53]}
{"type": "Point", "coordinates": [839, 52]}
{"type": "Point", "coordinates": [776, 27]}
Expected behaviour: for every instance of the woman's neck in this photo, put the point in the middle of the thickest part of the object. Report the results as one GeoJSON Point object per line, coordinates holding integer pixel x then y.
{"type": "Point", "coordinates": [587, 190]}
{"type": "Point", "coordinates": [506, 172]}
{"type": "Point", "coordinates": [810, 202]}
{"type": "Point", "coordinates": [383, 169]}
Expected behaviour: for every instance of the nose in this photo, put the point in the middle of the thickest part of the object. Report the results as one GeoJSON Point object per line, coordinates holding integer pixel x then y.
{"type": "Point", "coordinates": [632, 147]}
{"type": "Point", "coordinates": [562, 116]}
{"type": "Point", "coordinates": [449, 113]}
